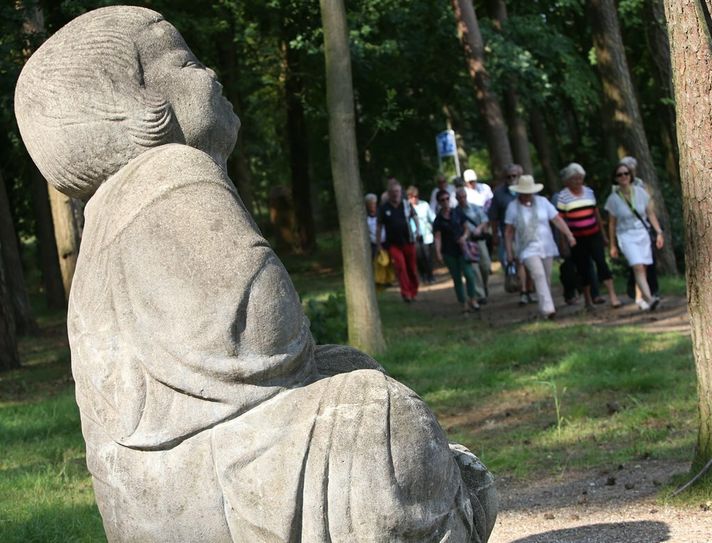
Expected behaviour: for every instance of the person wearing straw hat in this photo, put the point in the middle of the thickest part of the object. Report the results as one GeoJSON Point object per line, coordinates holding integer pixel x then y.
{"type": "Point", "coordinates": [528, 237]}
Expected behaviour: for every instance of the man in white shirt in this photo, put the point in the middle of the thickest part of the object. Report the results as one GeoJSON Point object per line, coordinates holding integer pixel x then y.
{"type": "Point", "coordinates": [479, 194]}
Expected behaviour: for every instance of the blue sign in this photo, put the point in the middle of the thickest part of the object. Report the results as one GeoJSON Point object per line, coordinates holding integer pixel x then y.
{"type": "Point", "coordinates": [446, 143]}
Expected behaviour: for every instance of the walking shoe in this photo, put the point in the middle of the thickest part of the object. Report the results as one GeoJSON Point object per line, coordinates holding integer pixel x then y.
{"type": "Point", "coordinates": [643, 305]}
{"type": "Point", "coordinates": [654, 303]}
{"type": "Point", "coordinates": [531, 297]}
{"type": "Point", "coordinates": [482, 301]}
{"type": "Point", "coordinates": [523, 299]}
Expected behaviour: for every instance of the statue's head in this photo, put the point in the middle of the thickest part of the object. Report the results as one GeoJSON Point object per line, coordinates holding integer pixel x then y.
{"type": "Point", "coordinates": [110, 85]}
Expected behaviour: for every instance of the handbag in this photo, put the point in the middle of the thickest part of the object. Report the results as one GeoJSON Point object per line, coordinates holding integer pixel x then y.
{"type": "Point", "coordinates": [383, 271]}
{"type": "Point", "coordinates": [652, 234]}
{"type": "Point", "coordinates": [511, 279]}
{"type": "Point", "coordinates": [471, 251]}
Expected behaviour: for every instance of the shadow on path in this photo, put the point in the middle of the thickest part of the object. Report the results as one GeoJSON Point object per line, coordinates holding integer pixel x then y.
{"type": "Point", "coordinates": [616, 532]}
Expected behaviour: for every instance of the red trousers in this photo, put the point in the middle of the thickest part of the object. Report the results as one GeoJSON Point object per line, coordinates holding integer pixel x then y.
{"type": "Point", "coordinates": [403, 257]}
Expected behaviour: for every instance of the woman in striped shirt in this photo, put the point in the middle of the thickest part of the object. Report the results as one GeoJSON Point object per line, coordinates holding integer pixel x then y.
{"type": "Point", "coordinates": [577, 205]}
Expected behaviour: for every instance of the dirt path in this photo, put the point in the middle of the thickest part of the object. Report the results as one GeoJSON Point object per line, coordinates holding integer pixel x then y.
{"type": "Point", "coordinates": [439, 299]}
{"type": "Point", "coordinates": [612, 507]}
{"type": "Point", "coordinates": [616, 506]}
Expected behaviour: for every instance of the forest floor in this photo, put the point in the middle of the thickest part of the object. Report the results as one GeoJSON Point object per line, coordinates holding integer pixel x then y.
{"type": "Point", "coordinates": [620, 504]}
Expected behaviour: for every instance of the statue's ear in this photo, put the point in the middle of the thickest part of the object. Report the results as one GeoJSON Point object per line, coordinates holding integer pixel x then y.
{"type": "Point", "coordinates": [154, 123]}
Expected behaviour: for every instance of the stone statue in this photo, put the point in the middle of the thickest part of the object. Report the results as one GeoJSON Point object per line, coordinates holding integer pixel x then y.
{"type": "Point", "coordinates": [208, 412]}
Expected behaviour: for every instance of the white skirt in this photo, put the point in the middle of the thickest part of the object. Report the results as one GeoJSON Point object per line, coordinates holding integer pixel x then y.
{"type": "Point", "coordinates": [635, 245]}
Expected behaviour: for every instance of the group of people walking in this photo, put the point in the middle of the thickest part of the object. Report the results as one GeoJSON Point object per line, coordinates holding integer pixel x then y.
{"type": "Point", "coordinates": [451, 229]}
{"type": "Point", "coordinates": [465, 220]}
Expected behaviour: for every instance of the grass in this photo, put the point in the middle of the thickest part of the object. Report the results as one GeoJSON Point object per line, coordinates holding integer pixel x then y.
{"type": "Point", "coordinates": [530, 399]}
{"type": "Point", "coordinates": [622, 393]}
{"type": "Point", "coordinates": [45, 489]}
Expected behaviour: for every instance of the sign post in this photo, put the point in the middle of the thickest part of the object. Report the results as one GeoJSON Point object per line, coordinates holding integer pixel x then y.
{"type": "Point", "coordinates": [445, 142]}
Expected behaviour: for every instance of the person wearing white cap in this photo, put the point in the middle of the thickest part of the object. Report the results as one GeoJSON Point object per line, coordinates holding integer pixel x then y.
{"type": "Point", "coordinates": [528, 237]}
{"type": "Point", "coordinates": [479, 194]}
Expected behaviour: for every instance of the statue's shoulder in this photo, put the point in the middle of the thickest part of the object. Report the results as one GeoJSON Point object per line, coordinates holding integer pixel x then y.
{"type": "Point", "coordinates": [156, 175]}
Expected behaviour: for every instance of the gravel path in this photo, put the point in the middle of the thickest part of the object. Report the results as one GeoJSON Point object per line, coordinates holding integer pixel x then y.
{"type": "Point", "coordinates": [613, 507]}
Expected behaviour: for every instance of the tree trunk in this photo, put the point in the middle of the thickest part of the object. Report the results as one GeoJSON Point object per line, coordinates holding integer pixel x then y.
{"type": "Point", "coordinates": [468, 30]}
{"type": "Point", "coordinates": [281, 217]}
{"type": "Point", "coordinates": [14, 276]}
{"type": "Point", "coordinates": [689, 27]}
{"type": "Point", "coordinates": [364, 319]}
{"type": "Point", "coordinates": [47, 247]}
{"type": "Point", "coordinates": [517, 128]}
{"type": "Point", "coordinates": [237, 165]}
{"type": "Point", "coordinates": [543, 149]}
{"type": "Point", "coordinates": [618, 91]}
{"type": "Point", "coordinates": [609, 148]}
{"type": "Point", "coordinates": [517, 124]}
{"type": "Point", "coordinates": [298, 150]}
{"type": "Point", "coordinates": [9, 357]}
{"type": "Point", "coordinates": [66, 233]}
{"type": "Point", "coordinates": [240, 172]}
{"type": "Point", "coordinates": [574, 131]}
{"type": "Point", "coordinates": [497, 12]}
{"type": "Point", "coordinates": [554, 133]}
{"type": "Point", "coordinates": [659, 45]}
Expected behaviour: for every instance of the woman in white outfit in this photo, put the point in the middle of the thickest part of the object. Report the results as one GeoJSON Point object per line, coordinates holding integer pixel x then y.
{"type": "Point", "coordinates": [527, 232]}
{"type": "Point", "coordinates": [631, 215]}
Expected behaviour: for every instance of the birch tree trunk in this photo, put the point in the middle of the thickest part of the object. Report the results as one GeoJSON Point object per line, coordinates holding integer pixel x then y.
{"type": "Point", "coordinates": [619, 93]}
{"type": "Point", "coordinates": [690, 28]}
{"type": "Point", "coordinates": [468, 30]}
{"type": "Point", "coordinates": [364, 319]}
{"type": "Point", "coordinates": [67, 234]}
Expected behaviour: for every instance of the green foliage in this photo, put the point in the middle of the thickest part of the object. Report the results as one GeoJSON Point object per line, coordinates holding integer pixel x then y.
{"type": "Point", "coordinates": [409, 75]}
{"type": "Point", "coordinates": [328, 318]}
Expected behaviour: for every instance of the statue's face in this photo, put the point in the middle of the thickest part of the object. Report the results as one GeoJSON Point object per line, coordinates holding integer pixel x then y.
{"type": "Point", "coordinates": [204, 115]}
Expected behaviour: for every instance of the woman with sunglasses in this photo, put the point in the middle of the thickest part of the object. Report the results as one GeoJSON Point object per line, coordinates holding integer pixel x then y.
{"type": "Point", "coordinates": [631, 216]}
{"type": "Point", "coordinates": [450, 234]}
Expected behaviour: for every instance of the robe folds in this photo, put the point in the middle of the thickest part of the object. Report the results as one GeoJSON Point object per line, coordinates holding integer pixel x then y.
{"type": "Point", "coordinates": [208, 412]}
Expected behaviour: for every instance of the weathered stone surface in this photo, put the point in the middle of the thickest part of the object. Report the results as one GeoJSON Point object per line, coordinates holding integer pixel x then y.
{"type": "Point", "coordinates": [207, 410]}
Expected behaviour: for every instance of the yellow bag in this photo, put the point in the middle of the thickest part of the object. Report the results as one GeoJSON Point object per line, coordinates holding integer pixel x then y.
{"type": "Point", "coordinates": [382, 269]}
